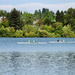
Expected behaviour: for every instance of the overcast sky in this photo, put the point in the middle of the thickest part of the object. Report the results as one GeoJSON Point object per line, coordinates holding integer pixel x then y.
{"type": "Point", "coordinates": [32, 5]}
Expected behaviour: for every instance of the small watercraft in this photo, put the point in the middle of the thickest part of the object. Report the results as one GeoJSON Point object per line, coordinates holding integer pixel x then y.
{"type": "Point", "coordinates": [42, 42]}
{"type": "Point", "coordinates": [31, 42]}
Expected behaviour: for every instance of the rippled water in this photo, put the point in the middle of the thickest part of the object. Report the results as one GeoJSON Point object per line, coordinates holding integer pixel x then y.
{"type": "Point", "coordinates": [37, 59]}
{"type": "Point", "coordinates": [37, 63]}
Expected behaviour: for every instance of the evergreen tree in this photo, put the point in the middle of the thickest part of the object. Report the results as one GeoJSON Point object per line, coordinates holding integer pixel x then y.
{"type": "Point", "coordinates": [40, 14]}
{"type": "Point", "coordinates": [62, 17]}
{"type": "Point", "coordinates": [58, 16]}
{"type": "Point", "coordinates": [14, 19]}
{"type": "Point", "coordinates": [44, 10]}
{"type": "Point", "coordinates": [70, 18]}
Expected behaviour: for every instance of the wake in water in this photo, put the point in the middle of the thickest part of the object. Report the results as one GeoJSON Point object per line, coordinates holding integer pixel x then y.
{"type": "Point", "coordinates": [37, 63]}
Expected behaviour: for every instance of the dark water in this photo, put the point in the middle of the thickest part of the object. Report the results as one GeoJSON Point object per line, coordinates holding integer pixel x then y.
{"type": "Point", "coordinates": [37, 59]}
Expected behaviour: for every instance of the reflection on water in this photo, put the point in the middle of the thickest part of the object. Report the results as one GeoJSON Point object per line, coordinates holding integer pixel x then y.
{"type": "Point", "coordinates": [37, 63]}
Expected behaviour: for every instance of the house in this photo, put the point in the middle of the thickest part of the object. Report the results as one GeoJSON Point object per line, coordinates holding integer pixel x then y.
{"type": "Point", "coordinates": [35, 22]}
{"type": "Point", "coordinates": [1, 18]}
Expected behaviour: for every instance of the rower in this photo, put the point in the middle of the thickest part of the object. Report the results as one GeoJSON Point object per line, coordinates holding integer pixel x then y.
{"type": "Point", "coordinates": [58, 40]}
{"type": "Point", "coordinates": [33, 41]}
{"type": "Point", "coordinates": [29, 41]}
{"type": "Point", "coordinates": [63, 40]}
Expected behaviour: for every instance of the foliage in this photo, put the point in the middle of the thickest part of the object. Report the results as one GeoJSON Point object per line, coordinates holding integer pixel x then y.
{"type": "Point", "coordinates": [54, 35]}
{"type": "Point", "coordinates": [14, 19]}
{"type": "Point", "coordinates": [19, 33]}
{"type": "Point", "coordinates": [60, 16]}
{"type": "Point", "coordinates": [18, 24]}
{"type": "Point", "coordinates": [39, 23]}
{"type": "Point", "coordinates": [43, 33]}
{"type": "Point", "coordinates": [31, 34]}
{"type": "Point", "coordinates": [28, 29]}
{"type": "Point", "coordinates": [7, 32]}
{"type": "Point", "coordinates": [46, 21]}
{"type": "Point", "coordinates": [49, 29]}
{"type": "Point", "coordinates": [5, 23]}
{"type": "Point", "coordinates": [38, 14]}
{"type": "Point", "coordinates": [3, 13]}
{"type": "Point", "coordinates": [69, 18]}
{"type": "Point", "coordinates": [58, 28]}
{"type": "Point", "coordinates": [67, 32]}
{"type": "Point", "coordinates": [28, 18]}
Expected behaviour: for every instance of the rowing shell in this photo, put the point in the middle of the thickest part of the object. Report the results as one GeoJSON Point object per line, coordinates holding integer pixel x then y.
{"type": "Point", "coordinates": [41, 42]}
{"type": "Point", "coordinates": [31, 43]}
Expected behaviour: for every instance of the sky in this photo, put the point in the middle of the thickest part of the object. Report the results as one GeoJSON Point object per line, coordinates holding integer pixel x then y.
{"type": "Point", "coordinates": [31, 5]}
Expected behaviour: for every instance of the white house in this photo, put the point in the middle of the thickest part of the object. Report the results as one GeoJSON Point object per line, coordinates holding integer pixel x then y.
{"type": "Point", "coordinates": [1, 18]}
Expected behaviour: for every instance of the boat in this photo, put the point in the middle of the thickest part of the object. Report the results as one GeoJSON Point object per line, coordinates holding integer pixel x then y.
{"type": "Point", "coordinates": [31, 43]}
{"type": "Point", "coordinates": [42, 42]}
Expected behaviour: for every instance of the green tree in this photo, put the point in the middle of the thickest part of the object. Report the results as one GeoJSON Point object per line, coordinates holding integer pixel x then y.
{"type": "Point", "coordinates": [62, 17]}
{"type": "Point", "coordinates": [43, 33]}
{"type": "Point", "coordinates": [28, 18]}
{"type": "Point", "coordinates": [5, 23]}
{"type": "Point", "coordinates": [44, 10]}
{"type": "Point", "coordinates": [28, 29]}
{"type": "Point", "coordinates": [14, 19]}
{"type": "Point", "coordinates": [58, 16]}
{"type": "Point", "coordinates": [40, 14]}
{"type": "Point", "coordinates": [69, 18]}
{"type": "Point", "coordinates": [3, 13]}
{"type": "Point", "coordinates": [31, 34]}
{"type": "Point", "coordinates": [72, 23]}
{"type": "Point", "coordinates": [19, 33]}
{"type": "Point", "coordinates": [49, 29]}
{"type": "Point", "coordinates": [58, 28]}
{"type": "Point", "coordinates": [67, 32]}
{"type": "Point", "coordinates": [46, 21]}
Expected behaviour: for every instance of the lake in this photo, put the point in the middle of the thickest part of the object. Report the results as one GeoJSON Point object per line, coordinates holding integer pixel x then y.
{"type": "Point", "coordinates": [48, 57]}
{"type": "Point", "coordinates": [10, 44]}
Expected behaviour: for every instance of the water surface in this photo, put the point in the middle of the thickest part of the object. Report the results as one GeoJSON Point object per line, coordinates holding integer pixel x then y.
{"type": "Point", "coordinates": [37, 59]}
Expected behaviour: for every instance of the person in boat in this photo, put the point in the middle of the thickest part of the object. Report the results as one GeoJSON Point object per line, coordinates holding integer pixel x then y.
{"type": "Point", "coordinates": [58, 40]}
{"type": "Point", "coordinates": [63, 40]}
{"type": "Point", "coordinates": [34, 41]}
{"type": "Point", "coordinates": [29, 41]}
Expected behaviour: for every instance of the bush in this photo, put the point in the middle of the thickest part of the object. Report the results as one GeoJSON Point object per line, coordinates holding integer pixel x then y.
{"type": "Point", "coordinates": [31, 34]}
{"type": "Point", "coordinates": [19, 33]}
{"type": "Point", "coordinates": [43, 33]}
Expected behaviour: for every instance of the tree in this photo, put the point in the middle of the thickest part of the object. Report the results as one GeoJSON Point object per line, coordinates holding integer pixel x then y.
{"type": "Point", "coordinates": [5, 23]}
{"type": "Point", "coordinates": [27, 29]}
{"type": "Point", "coordinates": [19, 33]}
{"type": "Point", "coordinates": [40, 23]}
{"type": "Point", "coordinates": [58, 16]}
{"type": "Point", "coordinates": [72, 23]}
{"type": "Point", "coordinates": [28, 18]}
{"type": "Point", "coordinates": [47, 21]}
{"type": "Point", "coordinates": [67, 32]}
{"type": "Point", "coordinates": [58, 28]}
{"type": "Point", "coordinates": [49, 29]}
{"type": "Point", "coordinates": [3, 13]}
{"type": "Point", "coordinates": [43, 33]}
{"type": "Point", "coordinates": [14, 19]}
{"type": "Point", "coordinates": [69, 18]}
{"type": "Point", "coordinates": [44, 10]}
{"type": "Point", "coordinates": [62, 17]}
{"type": "Point", "coordinates": [40, 14]}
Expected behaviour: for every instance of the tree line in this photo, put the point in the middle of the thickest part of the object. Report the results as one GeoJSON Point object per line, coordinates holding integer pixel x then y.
{"type": "Point", "coordinates": [42, 23]}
